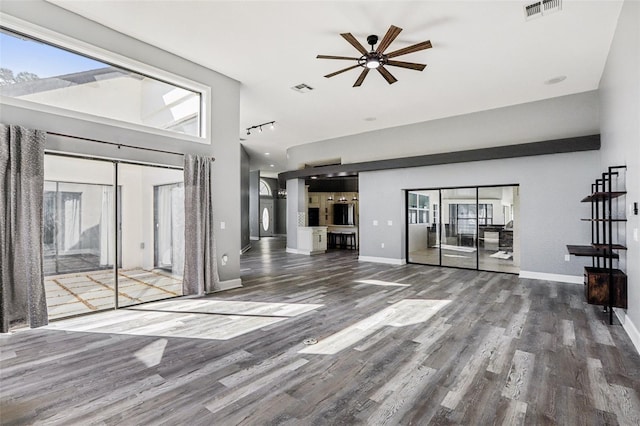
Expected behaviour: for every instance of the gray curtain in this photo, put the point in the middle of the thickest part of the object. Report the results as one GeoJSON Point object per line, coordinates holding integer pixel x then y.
{"type": "Point", "coordinates": [23, 299]}
{"type": "Point", "coordinates": [200, 264]}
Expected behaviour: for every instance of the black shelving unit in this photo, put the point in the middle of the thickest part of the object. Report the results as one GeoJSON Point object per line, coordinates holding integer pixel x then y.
{"type": "Point", "coordinates": [604, 284]}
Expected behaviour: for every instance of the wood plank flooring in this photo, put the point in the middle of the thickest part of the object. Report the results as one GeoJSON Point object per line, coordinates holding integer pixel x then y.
{"type": "Point", "coordinates": [502, 350]}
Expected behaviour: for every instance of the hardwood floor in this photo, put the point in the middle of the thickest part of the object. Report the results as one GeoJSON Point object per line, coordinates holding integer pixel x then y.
{"type": "Point", "coordinates": [405, 344]}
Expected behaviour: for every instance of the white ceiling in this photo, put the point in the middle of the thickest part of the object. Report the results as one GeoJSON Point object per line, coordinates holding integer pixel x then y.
{"type": "Point", "coordinates": [485, 55]}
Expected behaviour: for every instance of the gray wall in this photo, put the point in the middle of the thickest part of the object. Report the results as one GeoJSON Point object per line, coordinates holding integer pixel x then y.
{"type": "Point", "coordinates": [295, 203]}
{"type": "Point", "coordinates": [551, 185]}
{"type": "Point", "coordinates": [556, 118]}
{"type": "Point", "coordinates": [224, 119]}
{"type": "Point", "coordinates": [245, 242]}
{"type": "Point", "coordinates": [254, 204]}
{"type": "Point", "coordinates": [281, 216]}
{"type": "Point", "coordinates": [620, 129]}
{"type": "Point", "coordinates": [550, 208]}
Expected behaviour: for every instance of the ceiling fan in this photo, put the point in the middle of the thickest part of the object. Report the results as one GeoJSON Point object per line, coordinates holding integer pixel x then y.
{"type": "Point", "coordinates": [376, 58]}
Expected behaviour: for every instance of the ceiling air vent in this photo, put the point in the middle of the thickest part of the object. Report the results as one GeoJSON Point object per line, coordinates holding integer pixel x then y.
{"type": "Point", "coordinates": [541, 8]}
{"type": "Point", "coordinates": [302, 88]}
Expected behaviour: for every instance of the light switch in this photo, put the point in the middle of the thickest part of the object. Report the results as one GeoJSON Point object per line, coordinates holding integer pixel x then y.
{"type": "Point", "coordinates": [223, 225]}
{"type": "Point", "coordinates": [375, 223]}
{"type": "Point", "coordinates": [635, 234]}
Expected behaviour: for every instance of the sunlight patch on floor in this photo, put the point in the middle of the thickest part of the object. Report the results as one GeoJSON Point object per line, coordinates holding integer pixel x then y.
{"type": "Point", "coordinates": [382, 283]}
{"type": "Point", "coordinates": [401, 314]}
{"type": "Point", "coordinates": [199, 319]}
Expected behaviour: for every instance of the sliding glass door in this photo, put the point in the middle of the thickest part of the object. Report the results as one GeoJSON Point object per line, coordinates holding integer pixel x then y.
{"type": "Point", "coordinates": [471, 227]}
{"type": "Point", "coordinates": [152, 232]}
{"type": "Point", "coordinates": [459, 228]}
{"type": "Point", "coordinates": [499, 242]}
{"type": "Point", "coordinates": [79, 238]}
{"type": "Point", "coordinates": [88, 224]}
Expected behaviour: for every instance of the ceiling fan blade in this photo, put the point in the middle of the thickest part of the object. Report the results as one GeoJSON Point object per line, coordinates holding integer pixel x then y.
{"type": "Point", "coordinates": [360, 79]}
{"type": "Point", "coordinates": [355, 43]}
{"type": "Point", "coordinates": [388, 38]}
{"type": "Point", "coordinates": [341, 71]}
{"type": "Point", "coordinates": [336, 57]}
{"type": "Point", "coordinates": [387, 75]}
{"type": "Point", "coordinates": [411, 49]}
{"type": "Point", "coordinates": [410, 65]}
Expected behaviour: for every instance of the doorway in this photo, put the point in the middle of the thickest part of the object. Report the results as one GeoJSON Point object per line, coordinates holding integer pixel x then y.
{"type": "Point", "coordinates": [266, 217]}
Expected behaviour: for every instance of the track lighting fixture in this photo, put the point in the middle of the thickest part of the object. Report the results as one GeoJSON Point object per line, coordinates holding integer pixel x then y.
{"type": "Point", "coordinates": [271, 124]}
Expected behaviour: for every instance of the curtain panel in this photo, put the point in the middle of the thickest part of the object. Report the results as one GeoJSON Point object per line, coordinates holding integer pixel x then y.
{"type": "Point", "coordinates": [22, 295]}
{"type": "Point", "coordinates": [200, 263]}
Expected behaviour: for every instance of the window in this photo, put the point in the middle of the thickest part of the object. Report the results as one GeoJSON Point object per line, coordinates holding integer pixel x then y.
{"type": "Point", "coordinates": [265, 189]}
{"type": "Point", "coordinates": [44, 74]}
{"type": "Point", "coordinates": [418, 208]}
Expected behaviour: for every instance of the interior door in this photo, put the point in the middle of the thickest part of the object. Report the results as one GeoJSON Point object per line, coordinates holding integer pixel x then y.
{"type": "Point", "coordinates": [266, 218]}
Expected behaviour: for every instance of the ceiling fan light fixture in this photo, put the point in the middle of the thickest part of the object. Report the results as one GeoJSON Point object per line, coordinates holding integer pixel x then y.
{"type": "Point", "coordinates": [372, 63]}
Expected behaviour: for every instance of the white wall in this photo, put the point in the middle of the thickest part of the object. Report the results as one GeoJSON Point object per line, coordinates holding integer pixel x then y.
{"type": "Point", "coordinates": [620, 130]}
{"type": "Point", "coordinates": [223, 117]}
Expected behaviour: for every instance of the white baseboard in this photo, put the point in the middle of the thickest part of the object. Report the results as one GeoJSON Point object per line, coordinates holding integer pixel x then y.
{"type": "Point", "coordinates": [252, 238]}
{"type": "Point", "coordinates": [571, 279]}
{"type": "Point", "coordinates": [386, 260]}
{"type": "Point", "coordinates": [229, 284]}
{"type": "Point", "coordinates": [629, 327]}
{"type": "Point", "coordinates": [305, 252]}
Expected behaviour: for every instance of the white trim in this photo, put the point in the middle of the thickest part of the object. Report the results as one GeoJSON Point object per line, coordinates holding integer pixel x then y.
{"type": "Point", "coordinates": [305, 252]}
{"type": "Point", "coordinates": [629, 327]}
{"type": "Point", "coordinates": [252, 238]}
{"type": "Point", "coordinates": [229, 284]}
{"type": "Point", "coordinates": [245, 248]}
{"type": "Point", "coordinates": [54, 38]}
{"type": "Point", "coordinates": [386, 260]}
{"type": "Point", "coordinates": [571, 279]}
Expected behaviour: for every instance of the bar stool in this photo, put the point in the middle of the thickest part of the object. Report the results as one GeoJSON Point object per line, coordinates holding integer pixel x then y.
{"type": "Point", "coordinates": [349, 240]}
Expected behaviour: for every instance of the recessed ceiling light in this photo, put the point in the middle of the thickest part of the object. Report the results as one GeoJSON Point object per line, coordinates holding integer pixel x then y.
{"type": "Point", "coordinates": [556, 80]}
{"type": "Point", "coordinates": [267, 154]}
{"type": "Point", "coordinates": [271, 165]}
{"type": "Point", "coordinates": [370, 119]}
{"type": "Point", "coordinates": [314, 177]}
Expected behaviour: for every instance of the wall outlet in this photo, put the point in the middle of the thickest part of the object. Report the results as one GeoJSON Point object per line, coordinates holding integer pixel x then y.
{"type": "Point", "coordinates": [141, 246]}
{"type": "Point", "coordinates": [567, 258]}
{"type": "Point", "coordinates": [223, 225]}
{"type": "Point", "coordinates": [375, 223]}
{"type": "Point", "coordinates": [390, 223]}
{"type": "Point", "coordinates": [381, 245]}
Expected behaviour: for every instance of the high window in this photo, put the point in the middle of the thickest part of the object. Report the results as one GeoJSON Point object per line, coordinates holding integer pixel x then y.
{"type": "Point", "coordinates": [51, 76]}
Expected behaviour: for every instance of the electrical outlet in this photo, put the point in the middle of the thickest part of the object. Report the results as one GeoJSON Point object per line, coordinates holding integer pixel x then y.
{"type": "Point", "coordinates": [375, 223]}
{"type": "Point", "coordinates": [223, 225]}
{"type": "Point", "coordinates": [141, 246]}
{"type": "Point", "coordinates": [381, 245]}
{"type": "Point", "coordinates": [389, 223]}
{"type": "Point", "coordinates": [567, 257]}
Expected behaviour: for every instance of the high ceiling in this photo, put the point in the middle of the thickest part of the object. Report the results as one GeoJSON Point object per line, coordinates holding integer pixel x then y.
{"type": "Point", "coordinates": [485, 55]}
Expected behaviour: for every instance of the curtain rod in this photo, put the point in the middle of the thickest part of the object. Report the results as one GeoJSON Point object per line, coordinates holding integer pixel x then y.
{"type": "Point", "coordinates": [119, 145]}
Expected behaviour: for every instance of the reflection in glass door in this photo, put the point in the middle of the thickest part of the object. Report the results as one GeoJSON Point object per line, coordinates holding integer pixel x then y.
{"type": "Point", "coordinates": [459, 228]}
{"type": "Point", "coordinates": [423, 220]}
{"type": "Point", "coordinates": [78, 235]}
{"type": "Point", "coordinates": [499, 238]}
{"type": "Point", "coordinates": [152, 232]}
{"type": "Point", "coordinates": [474, 228]}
